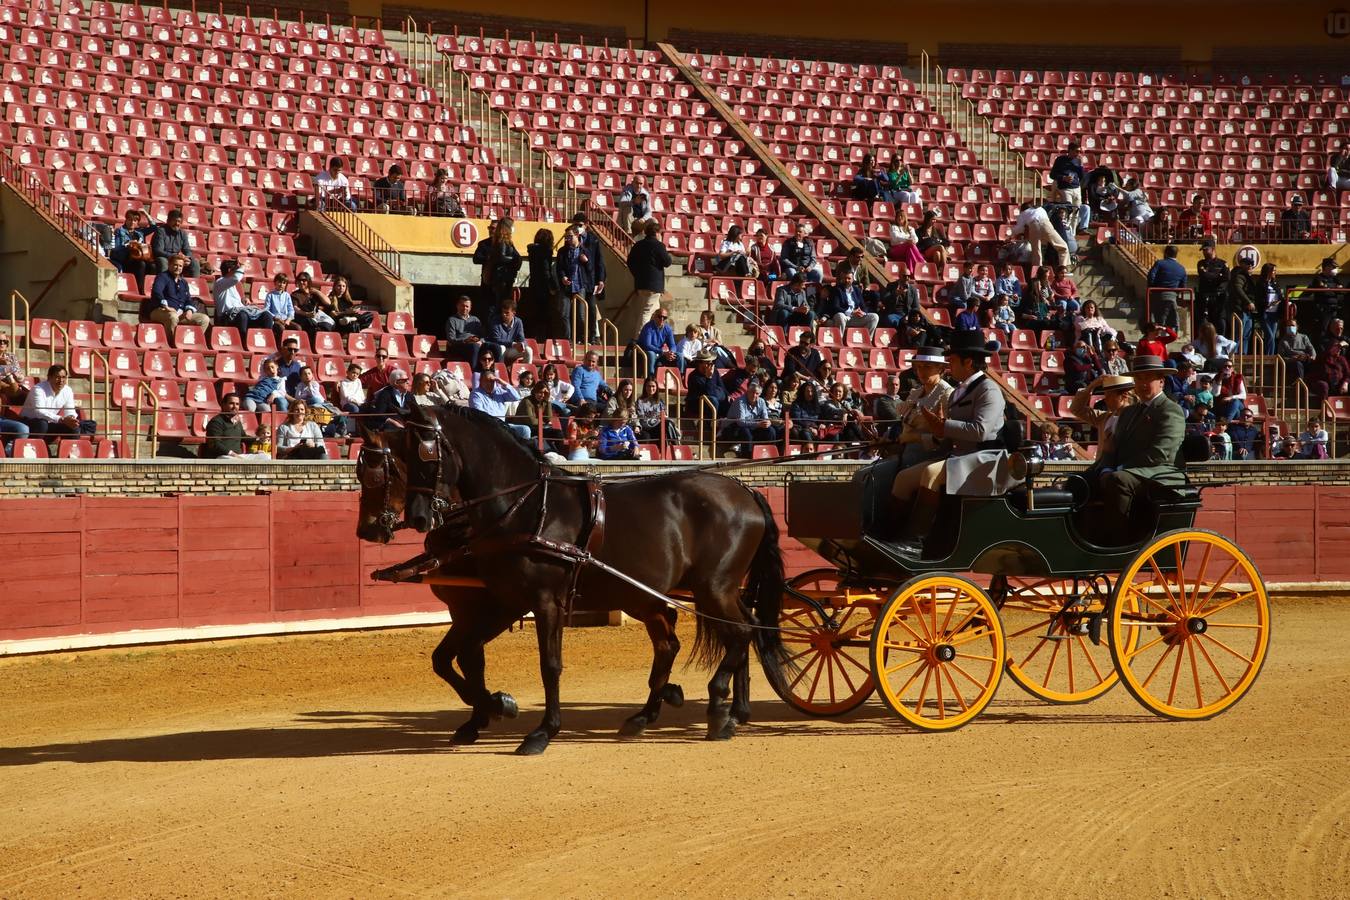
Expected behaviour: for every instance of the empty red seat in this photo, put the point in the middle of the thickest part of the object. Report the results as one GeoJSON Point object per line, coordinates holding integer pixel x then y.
{"type": "Point", "coordinates": [29, 448]}
{"type": "Point", "coordinates": [226, 338]}
{"type": "Point", "coordinates": [151, 336]}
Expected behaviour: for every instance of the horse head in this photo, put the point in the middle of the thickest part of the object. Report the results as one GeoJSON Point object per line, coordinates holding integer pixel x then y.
{"type": "Point", "coordinates": [384, 480]}
{"type": "Point", "coordinates": [432, 468]}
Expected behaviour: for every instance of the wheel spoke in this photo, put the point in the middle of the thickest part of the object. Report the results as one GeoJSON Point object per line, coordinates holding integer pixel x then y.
{"type": "Point", "coordinates": [1158, 665]}
{"type": "Point", "coordinates": [937, 684]}
{"type": "Point", "coordinates": [1034, 650]}
{"type": "Point", "coordinates": [1034, 626]}
{"type": "Point", "coordinates": [907, 648]}
{"type": "Point", "coordinates": [951, 608]}
{"type": "Point", "coordinates": [809, 649]}
{"type": "Point", "coordinates": [1223, 646]}
{"type": "Point", "coordinates": [1234, 625]}
{"type": "Point", "coordinates": [1227, 604]}
{"type": "Point", "coordinates": [1222, 579]}
{"type": "Point", "coordinates": [815, 682]}
{"type": "Point", "coordinates": [1171, 614]}
{"type": "Point", "coordinates": [973, 680]}
{"type": "Point", "coordinates": [1054, 657]}
{"type": "Point", "coordinates": [972, 636]}
{"type": "Point", "coordinates": [1153, 643]}
{"type": "Point", "coordinates": [1213, 668]}
{"type": "Point", "coordinates": [1195, 675]}
{"type": "Point", "coordinates": [933, 604]}
{"type": "Point", "coordinates": [955, 691]}
{"type": "Point", "coordinates": [847, 657]}
{"type": "Point", "coordinates": [1166, 585]}
{"type": "Point", "coordinates": [1068, 659]}
{"type": "Point", "coordinates": [923, 692]}
{"type": "Point", "coordinates": [922, 619]}
{"type": "Point", "coordinates": [836, 658]}
{"type": "Point", "coordinates": [1176, 676]}
{"type": "Point", "coordinates": [1199, 580]}
{"type": "Point", "coordinates": [977, 656]}
{"type": "Point", "coordinates": [905, 665]}
{"type": "Point", "coordinates": [975, 609]}
{"type": "Point", "coordinates": [804, 670]}
{"type": "Point", "coordinates": [1091, 662]}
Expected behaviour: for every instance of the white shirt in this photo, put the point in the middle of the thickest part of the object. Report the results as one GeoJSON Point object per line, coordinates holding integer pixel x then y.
{"type": "Point", "coordinates": [1029, 215]}
{"type": "Point", "coordinates": [44, 403]}
{"type": "Point", "coordinates": [899, 235]}
{"type": "Point", "coordinates": [225, 290]}
{"type": "Point", "coordinates": [353, 392]}
{"type": "Point", "coordinates": [289, 436]}
{"type": "Point", "coordinates": [334, 187]}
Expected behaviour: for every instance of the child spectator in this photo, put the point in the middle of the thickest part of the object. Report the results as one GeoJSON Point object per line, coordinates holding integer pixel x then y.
{"type": "Point", "coordinates": [1313, 441]}
{"type": "Point", "coordinates": [1005, 317]}
{"type": "Point", "coordinates": [1064, 289]}
{"type": "Point", "coordinates": [351, 392]}
{"type": "Point", "coordinates": [1063, 447]}
{"type": "Point", "coordinates": [1220, 440]}
{"type": "Point", "coordinates": [1007, 284]}
{"type": "Point", "coordinates": [278, 302]}
{"type": "Point", "coordinates": [580, 435]}
{"type": "Point", "coordinates": [689, 347]}
{"type": "Point", "coordinates": [262, 440]}
{"type": "Point", "coordinates": [964, 317]}
{"type": "Point", "coordinates": [616, 440]}
{"type": "Point", "coordinates": [268, 392]}
{"type": "Point", "coordinates": [1153, 340]}
{"type": "Point", "coordinates": [1199, 393]}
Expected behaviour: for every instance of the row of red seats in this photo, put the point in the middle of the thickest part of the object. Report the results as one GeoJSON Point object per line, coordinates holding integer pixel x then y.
{"type": "Point", "coordinates": [1131, 79]}
{"type": "Point", "coordinates": [66, 448]}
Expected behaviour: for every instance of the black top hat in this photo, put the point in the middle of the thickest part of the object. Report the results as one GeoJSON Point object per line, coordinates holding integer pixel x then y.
{"type": "Point", "coordinates": [1151, 365]}
{"type": "Point", "coordinates": [971, 343]}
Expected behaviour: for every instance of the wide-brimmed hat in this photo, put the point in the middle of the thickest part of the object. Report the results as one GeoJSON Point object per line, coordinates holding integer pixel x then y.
{"type": "Point", "coordinates": [1151, 365]}
{"type": "Point", "coordinates": [972, 343]}
{"type": "Point", "coordinates": [1116, 382]}
{"type": "Point", "coordinates": [705, 356]}
{"type": "Point", "coordinates": [929, 355]}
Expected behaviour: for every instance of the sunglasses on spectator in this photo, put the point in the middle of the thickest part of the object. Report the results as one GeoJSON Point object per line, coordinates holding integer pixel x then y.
{"type": "Point", "coordinates": [381, 355]}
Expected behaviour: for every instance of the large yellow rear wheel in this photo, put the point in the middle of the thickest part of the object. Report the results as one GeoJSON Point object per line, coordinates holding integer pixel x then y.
{"type": "Point", "coordinates": [1047, 623]}
{"type": "Point", "coordinates": [1189, 625]}
{"type": "Point", "coordinates": [831, 674]}
{"type": "Point", "coordinates": [937, 652]}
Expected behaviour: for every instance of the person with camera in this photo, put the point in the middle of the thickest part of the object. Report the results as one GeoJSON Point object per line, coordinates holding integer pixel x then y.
{"type": "Point", "coordinates": [231, 310]}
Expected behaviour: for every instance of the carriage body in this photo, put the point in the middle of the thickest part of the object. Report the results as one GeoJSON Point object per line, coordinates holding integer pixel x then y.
{"type": "Point", "coordinates": [1016, 583]}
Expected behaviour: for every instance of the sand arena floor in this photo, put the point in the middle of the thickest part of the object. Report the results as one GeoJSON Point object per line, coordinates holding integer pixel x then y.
{"type": "Point", "coordinates": [320, 767]}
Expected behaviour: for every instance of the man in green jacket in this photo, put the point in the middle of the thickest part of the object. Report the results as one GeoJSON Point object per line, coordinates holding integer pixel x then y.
{"type": "Point", "coordinates": [1147, 446]}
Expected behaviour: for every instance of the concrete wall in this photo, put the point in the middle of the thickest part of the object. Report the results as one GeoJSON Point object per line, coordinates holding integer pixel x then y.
{"type": "Point", "coordinates": [380, 289]}
{"type": "Point", "coordinates": [32, 250]}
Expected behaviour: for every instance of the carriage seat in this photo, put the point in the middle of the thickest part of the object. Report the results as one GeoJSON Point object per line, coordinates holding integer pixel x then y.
{"type": "Point", "coordinates": [1169, 495]}
{"type": "Point", "coordinates": [1035, 500]}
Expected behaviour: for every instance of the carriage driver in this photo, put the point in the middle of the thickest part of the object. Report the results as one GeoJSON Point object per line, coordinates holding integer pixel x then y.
{"type": "Point", "coordinates": [975, 462]}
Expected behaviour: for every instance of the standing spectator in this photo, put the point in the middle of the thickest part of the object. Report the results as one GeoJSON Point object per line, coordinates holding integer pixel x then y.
{"type": "Point", "coordinates": [546, 306]}
{"type": "Point", "coordinates": [50, 410]}
{"type": "Point", "coordinates": [647, 262]}
{"type": "Point", "coordinates": [442, 198]}
{"type": "Point", "coordinates": [170, 241]}
{"type": "Point", "coordinates": [798, 255]}
{"type": "Point", "coordinates": [131, 251]}
{"type": "Point", "coordinates": [331, 188]}
{"type": "Point", "coordinates": [391, 191]}
{"type": "Point", "coordinates": [898, 182]}
{"type": "Point", "coordinates": [349, 316]}
{"type": "Point", "coordinates": [1296, 223]}
{"type": "Point", "coordinates": [904, 242]}
{"type": "Point", "coordinates": [596, 273]}
{"type": "Point", "coordinates": [268, 392]}
{"type": "Point", "coordinates": [1165, 279]}
{"type": "Point", "coordinates": [300, 437]}
{"type": "Point", "coordinates": [351, 392]}
{"type": "Point", "coordinates": [705, 382]}
{"type": "Point", "coordinates": [846, 306]}
{"type": "Point", "coordinates": [1195, 221]}
{"type": "Point", "coordinates": [278, 303]}
{"type": "Point", "coordinates": [1230, 391]}
{"type": "Point", "coordinates": [464, 333]}
{"type": "Point", "coordinates": [932, 237]}
{"type": "Point", "coordinates": [1211, 290]}
{"type": "Point", "coordinates": [1297, 350]}
{"type": "Point", "coordinates": [1034, 226]}
{"type": "Point", "coordinates": [792, 304]}
{"type": "Point", "coordinates": [635, 205]}
{"type": "Point", "coordinates": [587, 379]}
{"type": "Point", "coordinates": [1327, 295]}
{"type": "Point", "coordinates": [617, 440]}
{"type": "Point", "coordinates": [313, 312]}
{"type": "Point", "coordinates": [1069, 177]}
{"type": "Point", "coordinates": [657, 340]}
{"type": "Point", "coordinates": [507, 336]}
{"type": "Point", "coordinates": [1338, 169]}
{"type": "Point", "coordinates": [763, 261]}
{"type": "Point", "coordinates": [574, 273]}
{"type": "Point", "coordinates": [748, 422]}
{"type": "Point", "coordinates": [732, 256]}
{"type": "Point", "coordinates": [170, 303]}
{"type": "Point", "coordinates": [1245, 437]}
{"type": "Point", "coordinates": [1242, 298]}
{"type": "Point", "coordinates": [231, 310]}
{"type": "Point", "coordinates": [493, 397]}
{"type": "Point", "coordinates": [501, 262]}
{"type": "Point", "coordinates": [1269, 306]}
{"type": "Point", "coordinates": [1331, 374]}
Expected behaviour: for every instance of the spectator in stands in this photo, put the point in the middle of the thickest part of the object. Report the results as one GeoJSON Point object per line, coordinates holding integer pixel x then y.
{"type": "Point", "coordinates": [962, 288]}
{"type": "Point", "coordinates": [964, 316]}
{"type": "Point", "coordinates": [748, 422]}
{"type": "Point", "coordinates": [313, 311]}
{"type": "Point", "coordinates": [560, 392]}
{"type": "Point", "coordinates": [865, 185]}
{"type": "Point", "coordinates": [1296, 349]}
{"type": "Point", "coordinates": [1335, 334]}
{"type": "Point", "coordinates": [351, 393]}
{"type": "Point", "coordinates": [635, 205]}
{"type": "Point", "coordinates": [732, 255]}
{"type": "Point", "coordinates": [1211, 289]}
{"type": "Point", "coordinates": [792, 304]}
{"type": "Point", "coordinates": [1270, 303]}
{"type": "Point", "coordinates": [1331, 373]}
{"type": "Point", "coordinates": [587, 379]}
{"type": "Point", "coordinates": [798, 255]}
{"type": "Point", "coordinates": [712, 338]}
{"type": "Point", "coordinates": [1230, 391]}
{"type": "Point", "coordinates": [803, 359]}
{"type": "Point", "coordinates": [1338, 169]}
{"type": "Point", "coordinates": [535, 411]}
{"type": "Point", "coordinates": [589, 242]}
{"type": "Point", "coordinates": [391, 404]}
{"type": "Point", "coordinates": [647, 262]}
{"type": "Point", "coordinates": [348, 316]}
{"type": "Point", "coordinates": [442, 198]}
{"type": "Point", "coordinates": [1134, 207]}
{"type": "Point", "coordinates": [1153, 340]}
{"type": "Point", "coordinates": [1165, 279]}
{"type": "Point", "coordinates": [1246, 437]}
{"type": "Point", "coordinates": [916, 331]}
{"type": "Point", "coordinates": [542, 303]}
{"type": "Point", "coordinates": [1312, 442]}
{"type": "Point", "coordinates": [309, 390]}
{"type": "Point", "coordinates": [1220, 441]}
{"type": "Point", "coordinates": [501, 262]}
{"type": "Point", "coordinates": [1034, 311]}
{"type": "Point", "coordinates": [1195, 221]}
{"type": "Point", "coordinates": [1242, 298]}
{"type": "Point", "coordinates": [449, 384]}
{"type": "Point", "coordinates": [616, 440]}
{"type": "Point", "coordinates": [10, 429]}
{"type": "Point", "coordinates": [651, 411]}
{"type": "Point", "coordinates": [331, 187]}
{"type": "Point", "coordinates": [689, 347]}
{"type": "Point", "coordinates": [278, 303]}
{"type": "Point", "coordinates": [1327, 295]}
{"type": "Point", "coordinates": [1034, 226]}
{"type": "Point", "coordinates": [1211, 345]}
{"type": "Point", "coordinates": [623, 403]}
{"type": "Point", "coordinates": [904, 242]}
{"type": "Point", "coordinates": [705, 382]}
{"type": "Point", "coordinates": [391, 191]}
{"type": "Point", "coordinates": [1091, 328]}
{"type": "Point", "coordinates": [300, 437]}
{"type": "Point", "coordinates": [845, 306]}
{"type": "Point", "coordinates": [1296, 222]}
{"type": "Point", "coordinates": [11, 373]}
{"type": "Point", "coordinates": [763, 261]}
{"type": "Point", "coordinates": [1008, 284]}
{"type": "Point", "coordinates": [231, 310]}
{"type": "Point", "coordinates": [852, 262]}
{"type": "Point", "coordinates": [1189, 353]}
{"type": "Point", "coordinates": [170, 302]}
{"type": "Point", "coordinates": [839, 419]}
{"type": "Point", "coordinates": [573, 273]}
{"type": "Point", "coordinates": [805, 416]}
{"type": "Point", "coordinates": [1064, 291]}
{"type": "Point", "coordinates": [897, 182]}
{"type": "Point", "coordinates": [425, 393]}
{"type": "Point", "coordinates": [378, 375]}
{"type": "Point", "coordinates": [225, 437]}
{"type": "Point", "coordinates": [657, 341]}
{"type": "Point", "coordinates": [170, 241]}
{"type": "Point", "coordinates": [1178, 384]}
{"type": "Point", "coordinates": [1113, 358]}
{"type": "Point", "coordinates": [464, 333]}
{"type": "Point", "coordinates": [932, 237]}
{"type": "Point", "coordinates": [1068, 177]}
{"type": "Point", "coordinates": [898, 300]}
{"type": "Point", "coordinates": [506, 338]}
{"type": "Point", "coordinates": [131, 251]}
{"type": "Point", "coordinates": [50, 410]}
{"type": "Point", "coordinates": [1082, 366]}
{"type": "Point", "coordinates": [268, 392]}
{"type": "Point", "coordinates": [1200, 391]}
{"type": "Point", "coordinates": [288, 361]}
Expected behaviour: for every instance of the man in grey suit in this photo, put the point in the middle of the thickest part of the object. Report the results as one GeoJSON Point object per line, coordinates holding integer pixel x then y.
{"type": "Point", "coordinates": [976, 463]}
{"type": "Point", "coordinates": [1146, 447]}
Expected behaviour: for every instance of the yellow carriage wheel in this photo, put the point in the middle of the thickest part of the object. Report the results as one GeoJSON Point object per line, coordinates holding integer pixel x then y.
{"type": "Point", "coordinates": [830, 674]}
{"type": "Point", "coordinates": [1189, 625]}
{"type": "Point", "coordinates": [937, 651]}
{"type": "Point", "coordinates": [1047, 626]}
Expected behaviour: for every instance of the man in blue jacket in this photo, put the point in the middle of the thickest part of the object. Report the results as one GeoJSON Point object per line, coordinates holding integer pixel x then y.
{"type": "Point", "coordinates": [507, 336]}
{"type": "Point", "coordinates": [657, 340]}
{"type": "Point", "coordinates": [845, 306]}
{"type": "Point", "coordinates": [1164, 280]}
{"type": "Point", "coordinates": [705, 382]}
{"type": "Point", "coordinates": [589, 242]}
{"type": "Point", "coordinates": [171, 302]}
{"type": "Point", "coordinates": [1069, 176]}
{"type": "Point", "coordinates": [587, 379]}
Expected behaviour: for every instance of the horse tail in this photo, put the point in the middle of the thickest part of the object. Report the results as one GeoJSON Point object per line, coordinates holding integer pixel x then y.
{"type": "Point", "coordinates": [764, 595]}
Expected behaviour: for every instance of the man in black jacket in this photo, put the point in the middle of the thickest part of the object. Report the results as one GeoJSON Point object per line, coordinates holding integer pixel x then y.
{"type": "Point", "coordinates": [647, 262]}
{"type": "Point", "coordinates": [1242, 298]}
{"type": "Point", "coordinates": [393, 401]}
{"type": "Point", "coordinates": [1211, 289]}
{"type": "Point", "coordinates": [595, 260]}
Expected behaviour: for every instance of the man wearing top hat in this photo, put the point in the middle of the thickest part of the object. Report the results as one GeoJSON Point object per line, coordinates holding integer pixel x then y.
{"type": "Point", "coordinates": [1146, 446]}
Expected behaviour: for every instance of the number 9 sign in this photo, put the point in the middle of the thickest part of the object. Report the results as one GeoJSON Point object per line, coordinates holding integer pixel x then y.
{"type": "Point", "coordinates": [464, 233]}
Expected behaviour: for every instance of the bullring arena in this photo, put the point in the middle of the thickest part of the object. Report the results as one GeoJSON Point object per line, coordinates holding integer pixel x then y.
{"type": "Point", "coordinates": [673, 449]}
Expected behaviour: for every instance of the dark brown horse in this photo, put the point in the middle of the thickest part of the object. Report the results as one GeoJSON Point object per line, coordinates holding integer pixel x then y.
{"type": "Point", "coordinates": [683, 531]}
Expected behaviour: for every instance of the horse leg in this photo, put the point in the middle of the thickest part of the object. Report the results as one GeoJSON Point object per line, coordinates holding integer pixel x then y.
{"type": "Point", "coordinates": [548, 622]}
{"type": "Point", "coordinates": [736, 641]}
{"type": "Point", "coordinates": [660, 624]}
{"type": "Point", "coordinates": [464, 642]}
{"type": "Point", "coordinates": [740, 693]}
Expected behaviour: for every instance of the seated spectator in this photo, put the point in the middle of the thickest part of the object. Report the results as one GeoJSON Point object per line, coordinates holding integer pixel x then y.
{"type": "Point", "coordinates": [300, 437]}
{"type": "Point", "coordinates": [635, 205]}
{"type": "Point", "coordinates": [1282, 446]}
{"type": "Point", "coordinates": [391, 404]}
{"type": "Point", "coordinates": [288, 361]}
{"type": "Point", "coordinates": [1200, 420]}
{"type": "Point", "coordinates": [1296, 349]}
{"type": "Point", "coordinates": [732, 256]}
{"type": "Point", "coordinates": [313, 311]}
{"type": "Point", "coordinates": [269, 392]}
{"type": "Point", "coordinates": [581, 435]}
{"type": "Point", "coordinates": [1296, 222]}
{"type": "Point", "coordinates": [225, 437]}
{"type": "Point", "coordinates": [839, 419]}
{"type": "Point", "coordinates": [1081, 367]}
{"type": "Point", "coordinates": [587, 379]}
{"type": "Point", "coordinates": [261, 441]}
{"type": "Point", "coordinates": [231, 310]}
{"type": "Point", "coordinates": [1114, 359]}
{"type": "Point", "coordinates": [310, 390]}
{"type": "Point", "coordinates": [705, 382]}
{"type": "Point", "coordinates": [1062, 448]}
{"type": "Point", "coordinates": [897, 182]}
{"type": "Point", "coordinates": [50, 410]}
{"type": "Point", "coordinates": [651, 412]}
{"type": "Point", "coordinates": [331, 188]}
{"type": "Point", "coordinates": [132, 250]}
{"type": "Point", "coordinates": [1195, 221]}
{"type": "Point", "coordinates": [348, 315]}
{"type": "Point", "coordinates": [804, 415]}
{"type": "Point", "coordinates": [391, 191]}
{"type": "Point", "coordinates": [1133, 204]}
{"type": "Point", "coordinates": [1064, 291]}
{"type": "Point", "coordinates": [803, 359]}
{"type": "Point", "coordinates": [616, 440]}
{"type": "Point", "coordinates": [792, 305]}
{"type": "Point", "coordinates": [1312, 442]}
{"type": "Point", "coordinates": [10, 431]}
{"type": "Point", "coordinates": [1192, 355]}
{"type": "Point", "coordinates": [845, 306]}
{"type": "Point", "coordinates": [773, 402]}
{"type": "Point", "coordinates": [1331, 373]}
{"type": "Point", "coordinates": [442, 198]}
{"type": "Point", "coordinates": [11, 373]}
{"type": "Point", "coordinates": [1101, 197]}
{"type": "Point", "coordinates": [536, 412]}
{"type": "Point", "coordinates": [351, 392]}
{"type": "Point", "coordinates": [278, 303]}
{"type": "Point", "coordinates": [763, 261]}
{"type": "Point", "coordinates": [497, 398]}
{"type": "Point", "coordinates": [865, 185]}
{"type": "Point", "coordinates": [916, 331]}
{"type": "Point", "coordinates": [171, 240]}
{"type": "Point", "coordinates": [657, 341]}
{"type": "Point", "coordinates": [170, 302]}
{"type": "Point", "coordinates": [981, 294]}
{"type": "Point", "coordinates": [851, 264]}
{"type": "Point", "coordinates": [1004, 317]}
{"type": "Point", "coordinates": [1177, 386]}
{"type": "Point", "coordinates": [507, 336]}
{"type": "Point", "coordinates": [689, 347]}
{"type": "Point", "coordinates": [964, 317]}
{"type": "Point", "coordinates": [464, 333]}
{"type": "Point", "coordinates": [798, 255]}
{"type": "Point", "coordinates": [932, 237]}
{"type": "Point", "coordinates": [560, 392]}
{"type": "Point", "coordinates": [898, 300]}
{"type": "Point", "coordinates": [1220, 441]}
{"type": "Point", "coordinates": [1008, 284]}
{"type": "Point", "coordinates": [426, 393]}
{"type": "Point", "coordinates": [748, 422]}
{"type": "Point", "coordinates": [1091, 327]}
{"type": "Point", "coordinates": [712, 338]}
{"type": "Point", "coordinates": [1245, 437]}
{"type": "Point", "coordinates": [1153, 341]}
{"type": "Point", "coordinates": [378, 375]}
{"type": "Point", "coordinates": [623, 403]}
{"type": "Point", "coordinates": [904, 242]}
{"type": "Point", "coordinates": [1230, 391]}
{"type": "Point", "coordinates": [1210, 344]}
{"type": "Point", "coordinates": [1200, 392]}
{"type": "Point", "coordinates": [449, 385]}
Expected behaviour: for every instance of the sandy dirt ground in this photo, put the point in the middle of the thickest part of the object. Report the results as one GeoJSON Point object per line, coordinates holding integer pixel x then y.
{"type": "Point", "coordinates": [320, 767]}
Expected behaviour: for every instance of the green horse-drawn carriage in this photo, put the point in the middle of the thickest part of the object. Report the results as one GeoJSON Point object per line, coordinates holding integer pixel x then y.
{"type": "Point", "coordinates": [1019, 582]}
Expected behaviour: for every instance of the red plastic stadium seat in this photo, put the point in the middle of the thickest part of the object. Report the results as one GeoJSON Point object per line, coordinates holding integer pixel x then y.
{"type": "Point", "coordinates": [29, 448]}
{"type": "Point", "coordinates": [75, 449]}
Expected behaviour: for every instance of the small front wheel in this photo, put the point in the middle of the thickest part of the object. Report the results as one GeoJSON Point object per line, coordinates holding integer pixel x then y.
{"type": "Point", "coordinates": [831, 677]}
{"type": "Point", "coordinates": [937, 652]}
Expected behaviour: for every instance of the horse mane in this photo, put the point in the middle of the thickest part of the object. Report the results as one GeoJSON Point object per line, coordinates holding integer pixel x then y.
{"type": "Point", "coordinates": [479, 417]}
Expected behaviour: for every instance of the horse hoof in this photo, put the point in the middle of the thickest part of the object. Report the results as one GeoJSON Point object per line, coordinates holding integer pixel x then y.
{"type": "Point", "coordinates": [464, 735]}
{"type": "Point", "coordinates": [633, 726]}
{"type": "Point", "coordinates": [673, 695]}
{"type": "Point", "coordinates": [504, 706]}
{"type": "Point", "coordinates": [740, 716]}
{"type": "Point", "coordinates": [721, 729]}
{"type": "Point", "coordinates": [533, 745]}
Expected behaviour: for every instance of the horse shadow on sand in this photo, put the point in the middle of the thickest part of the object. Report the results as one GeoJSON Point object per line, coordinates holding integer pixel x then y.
{"type": "Point", "coordinates": [331, 733]}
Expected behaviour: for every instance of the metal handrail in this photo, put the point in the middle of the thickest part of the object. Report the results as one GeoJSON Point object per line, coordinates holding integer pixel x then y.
{"type": "Point", "coordinates": [704, 405]}
{"type": "Point", "coordinates": [610, 348]}
{"type": "Point", "coordinates": [59, 330]}
{"type": "Point", "coordinates": [106, 408]}
{"type": "Point", "coordinates": [15, 298]}
{"type": "Point", "coordinates": [607, 227]}
{"type": "Point", "coordinates": [352, 226]}
{"type": "Point", "coordinates": [142, 389]}
{"type": "Point", "coordinates": [50, 206]}
{"type": "Point", "coordinates": [641, 363]}
{"type": "Point", "coordinates": [581, 322]}
{"type": "Point", "coordinates": [1303, 401]}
